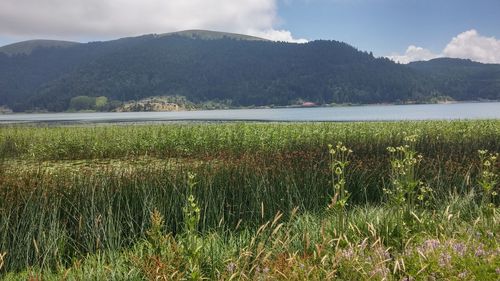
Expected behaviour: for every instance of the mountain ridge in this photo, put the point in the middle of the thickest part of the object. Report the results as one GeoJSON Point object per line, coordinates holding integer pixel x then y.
{"type": "Point", "coordinates": [26, 47]}
{"type": "Point", "coordinates": [236, 70]}
{"type": "Point", "coordinates": [212, 35]}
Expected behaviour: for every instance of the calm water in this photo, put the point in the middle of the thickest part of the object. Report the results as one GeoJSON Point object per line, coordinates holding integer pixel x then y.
{"type": "Point", "coordinates": [347, 113]}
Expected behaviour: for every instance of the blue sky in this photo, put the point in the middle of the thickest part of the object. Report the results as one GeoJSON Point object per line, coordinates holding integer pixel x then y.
{"type": "Point", "coordinates": [387, 26]}
{"type": "Point", "coordinates": [405, 30]}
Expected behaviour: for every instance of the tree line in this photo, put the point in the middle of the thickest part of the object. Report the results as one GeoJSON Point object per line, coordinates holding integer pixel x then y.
{"type": "Point", "coordinates": [229, 71]}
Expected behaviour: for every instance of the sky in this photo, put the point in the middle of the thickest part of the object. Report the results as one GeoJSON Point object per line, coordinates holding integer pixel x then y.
{"type": "Point", "coordinates": [403, 30]}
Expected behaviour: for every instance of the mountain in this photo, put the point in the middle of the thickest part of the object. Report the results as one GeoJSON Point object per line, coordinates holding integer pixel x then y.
{"type": "Point", "coordinates": [212, 35]}
{"type": "Point", "coordinates": [462, 79]}
{"type": "Point", "coordinates": [26, 47]}
{"type": "Point", "coordinates": [206, 67]}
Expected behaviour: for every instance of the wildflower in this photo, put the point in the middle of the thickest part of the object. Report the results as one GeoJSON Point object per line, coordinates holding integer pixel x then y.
{"type": "Point", "coordinates": [430, 245]}
{"type": "Point", "coordinates": [482, 152]}
{"type": "Point", "coordinates": [338, 171]}
{"type": "Point", "coordinates": [348, 254]}
{"type": "Point", "coordinates": [459, 248]}
{"type": "Point", "coordinates": [462, 275]}
{"type": "Point", "coordinates": [480, 251]}
{"type": "Point", "coordinates": [231, 267]}
{"type": "Point", "coordinates": [445, 260]}
{"type": "Point", "coordinates": [382, 253]}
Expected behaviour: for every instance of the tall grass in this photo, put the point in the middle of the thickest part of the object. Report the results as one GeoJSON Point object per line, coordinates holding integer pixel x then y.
{"type": "Point", "coordinates": [308, 247]}
{"type": "Point", "coordinates": [101, 197]}
{"type": "Point", "coordinates": [455, 139]}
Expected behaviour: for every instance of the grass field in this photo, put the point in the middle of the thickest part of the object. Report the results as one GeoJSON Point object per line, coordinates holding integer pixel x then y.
{"type": "Point", "coordinates": [251, 201]}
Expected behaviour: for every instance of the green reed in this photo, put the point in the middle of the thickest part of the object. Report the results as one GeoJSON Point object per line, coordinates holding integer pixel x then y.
{"type": "Point", "coordinates": [246, 173]}
{"type": "Point", "coordinates": [455, 139]}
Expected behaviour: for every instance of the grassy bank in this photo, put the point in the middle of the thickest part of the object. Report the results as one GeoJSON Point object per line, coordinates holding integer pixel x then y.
{"type": "Point", "coordinates": [250, 201]}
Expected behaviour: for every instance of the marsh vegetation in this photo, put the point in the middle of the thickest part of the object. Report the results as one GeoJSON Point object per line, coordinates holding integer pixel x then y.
{"type": "Point", "coordinates": [251, 201]}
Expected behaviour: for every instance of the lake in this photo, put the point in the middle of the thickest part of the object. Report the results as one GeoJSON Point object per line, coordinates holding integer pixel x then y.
{"type": "Point", "coordinates": [453, 111]}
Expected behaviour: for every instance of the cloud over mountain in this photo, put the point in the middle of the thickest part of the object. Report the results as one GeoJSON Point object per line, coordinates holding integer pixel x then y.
{"type": "Point", "coordinates": [413, 53]}
{"type": "Point", "coordinates": [466, 45]}
{"type": "Point", "coordinates": [472, 45]}
{"type": "Point", "coordinates": [116, 18]}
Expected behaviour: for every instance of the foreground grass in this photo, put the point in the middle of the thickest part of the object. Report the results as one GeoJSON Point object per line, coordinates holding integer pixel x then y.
{"type": "Point", "coordinates": [249, 201]}
{"type": "Point", "coordinates": [444, 244]}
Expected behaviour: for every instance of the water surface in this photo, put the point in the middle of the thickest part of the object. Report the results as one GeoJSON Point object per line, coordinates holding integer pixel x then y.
{"type": "Point", "coordinates": [452, 111]}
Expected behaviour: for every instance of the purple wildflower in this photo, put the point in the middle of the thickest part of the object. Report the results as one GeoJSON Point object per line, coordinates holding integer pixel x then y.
{"type": "Point", "coordinates": [459, 248]}
{"type": "Point", "coordinates": [480, 251]}
{"type": "Point", "coordinates": [430, 245]}
{"type": "Point", "coordinates": [445, 260]}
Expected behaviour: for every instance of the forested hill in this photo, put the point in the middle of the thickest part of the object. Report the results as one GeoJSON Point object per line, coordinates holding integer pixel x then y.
{"type": "Point", "coordinates": [203, 66]}
{"type": "Point", "coordinates": [462, 79]}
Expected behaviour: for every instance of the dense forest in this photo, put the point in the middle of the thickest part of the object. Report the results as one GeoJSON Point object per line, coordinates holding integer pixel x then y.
{"type": "Point", "coordinates": [462, 79]}
{"type": "Point", "coordinates": [231, 69]}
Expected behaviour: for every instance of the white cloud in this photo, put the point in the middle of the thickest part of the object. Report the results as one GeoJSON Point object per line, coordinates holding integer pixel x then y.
{"type": "Point", "coordinates": [116, 18]}
{"type": "Point", "coordinates": [466, 45]}
{"type": "Point", "coordinates": [413, 53]}
{"type": "Point", "coordinates": [276, 35]}
{"type": "Point", "coordinates": [471, 45]}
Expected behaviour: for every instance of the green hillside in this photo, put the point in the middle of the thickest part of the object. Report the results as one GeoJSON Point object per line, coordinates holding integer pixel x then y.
{"type": "Point", "coordinates": [212, 35]}
{"type": "Point", "coordinates": [463, 79]}
{"type": "Point", "coordinates": [26, 47]}
{"type": "Point", "coordinates": [235, 70]}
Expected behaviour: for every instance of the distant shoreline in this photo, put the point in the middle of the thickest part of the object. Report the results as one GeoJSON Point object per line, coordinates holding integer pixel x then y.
{"type": "Point", "coordinates": [367, 113]}
{"type": "Point", "coordinates": [263, 107]}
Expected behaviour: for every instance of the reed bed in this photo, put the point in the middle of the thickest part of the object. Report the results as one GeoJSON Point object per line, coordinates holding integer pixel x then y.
{"type": "Point", "coordinates": [455, 139]}
{"type": "Point", "coordinates": [73, 198]}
